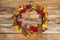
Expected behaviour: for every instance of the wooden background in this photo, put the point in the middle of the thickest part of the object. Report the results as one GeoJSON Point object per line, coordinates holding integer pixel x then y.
{"type": "Point", "coordinates": [9, 7]}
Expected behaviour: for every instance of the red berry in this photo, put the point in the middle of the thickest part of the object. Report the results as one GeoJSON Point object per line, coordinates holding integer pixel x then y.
{"type": "Point", "coordinates": [19, 22]}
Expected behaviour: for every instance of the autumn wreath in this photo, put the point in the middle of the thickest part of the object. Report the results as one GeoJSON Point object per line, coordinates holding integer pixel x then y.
{"type": "Point", "coordinates": [30, 19]}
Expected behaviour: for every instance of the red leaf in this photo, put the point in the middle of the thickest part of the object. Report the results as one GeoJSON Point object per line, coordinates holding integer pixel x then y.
{"type": "Point", "coordinates": [23, 11]}
{"type": "Point", "coordinates": [34, 29]}
{"type": "Point", "coordinates": [40, 12]}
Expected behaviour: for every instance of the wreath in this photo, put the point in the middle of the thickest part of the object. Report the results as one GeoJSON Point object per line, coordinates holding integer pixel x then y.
{"type": "Point", "coordinates": [30, 19]}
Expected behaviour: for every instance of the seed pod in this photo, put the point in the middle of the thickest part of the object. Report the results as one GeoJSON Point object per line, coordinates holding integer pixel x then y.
{"type": "Point", "coordinates": [14, 18]}
{"type": "Point", "coordinates": [46, 21]}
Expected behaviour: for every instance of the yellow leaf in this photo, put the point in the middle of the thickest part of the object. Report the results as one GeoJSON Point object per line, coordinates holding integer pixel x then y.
{"type": "Point", "coordinates": [44, 25]}
{"type": "Point", "coordinates": [16, 13]}
{"type": "Point", "coordinates": [29, 33]}
{"type": "Point", "coordinates": [37, 33]}
{"type": "Point", "coordinates": [35, 5]}
{"type": "Point", "coordinates": [45, 9]}
{"type": "Point", "coordinates": [20, 31]}
{"type": "Point", "coordinates": [46, 15]}
{"type": "Point", "coordinates": [17, 27]}
{"type": "Point", "coordinates": [20, 8]}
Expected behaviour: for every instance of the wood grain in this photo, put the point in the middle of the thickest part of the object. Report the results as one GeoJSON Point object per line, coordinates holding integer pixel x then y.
{"type": "Point", "coordinates": [9, 7]}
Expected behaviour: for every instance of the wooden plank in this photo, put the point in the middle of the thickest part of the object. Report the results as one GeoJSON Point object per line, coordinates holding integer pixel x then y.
{"type": "Point", "coordinates": [7, 19]}
{"type": "Point", "coordinates": [53, 10]}
{"type": "Point", "coordinates": [52, 28]}
{"type": "Point", "coordinates": [53, 36]}
{"type": "Point", "coordinates": [48, 35]}
{"type": "Point", "coordinates": [22, 37]}
{"type": "Point", "coordinates": [17, 3]}
{"type": "Point", "coordinates": [11, 10]}
{"type": "Point", "coordinates": [8, 16]}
